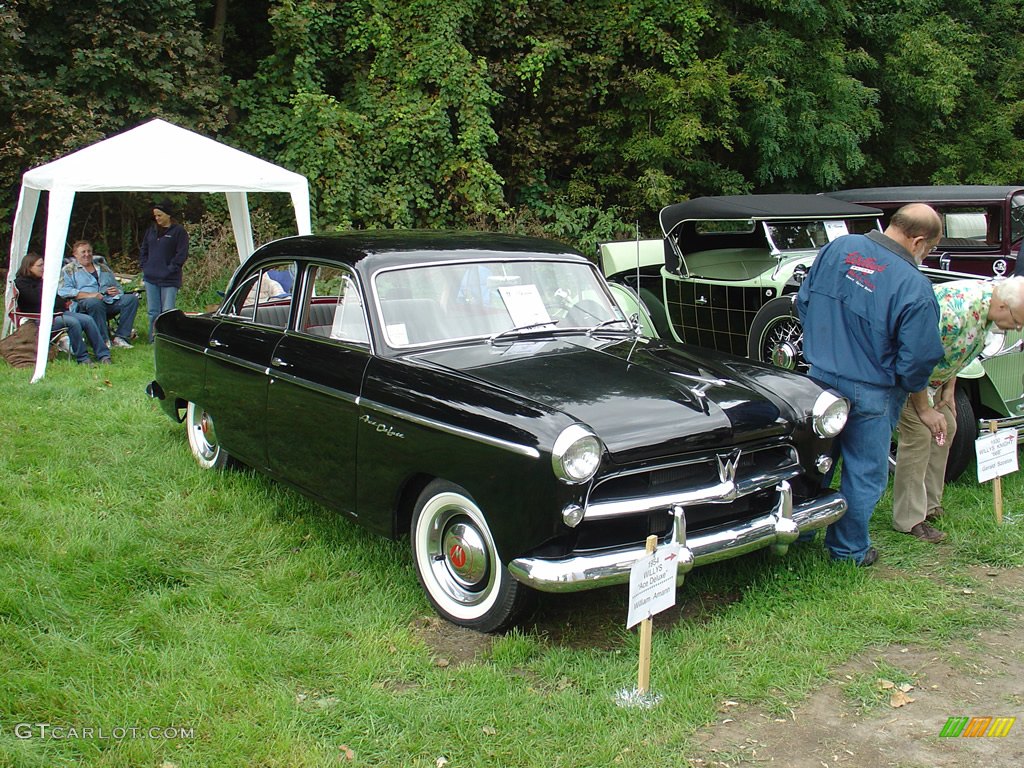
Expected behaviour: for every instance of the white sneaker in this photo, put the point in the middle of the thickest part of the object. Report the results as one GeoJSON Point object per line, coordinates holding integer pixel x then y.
{"type": "Point", "coordinates": [120, 343]}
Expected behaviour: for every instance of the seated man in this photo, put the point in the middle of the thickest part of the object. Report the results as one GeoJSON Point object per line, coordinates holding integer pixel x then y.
{"type": "Point", "coordinates": [29, 283]}
{"type": "Point", "coordinates": [91, 284]}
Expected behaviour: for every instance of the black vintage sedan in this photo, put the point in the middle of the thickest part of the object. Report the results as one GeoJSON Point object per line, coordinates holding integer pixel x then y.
{"type": "Point", "coordinates": [485, 394]}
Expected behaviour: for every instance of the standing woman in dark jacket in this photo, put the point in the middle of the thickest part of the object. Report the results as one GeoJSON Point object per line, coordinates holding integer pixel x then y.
{"type": "Point", "coordinates": [162, 255]}
{"type": "Point", "coordinates": [29, 282]}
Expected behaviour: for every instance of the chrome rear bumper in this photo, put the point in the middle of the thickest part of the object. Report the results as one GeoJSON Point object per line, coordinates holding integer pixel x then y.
{"type": "Point", "coordinates": [777, 529]}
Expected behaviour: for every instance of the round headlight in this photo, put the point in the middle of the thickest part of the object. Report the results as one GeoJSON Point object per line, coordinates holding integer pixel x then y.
{"type": "Point", "coordinates": [829, 414]}
{"type": "Point", "coordinates": [576, 454]}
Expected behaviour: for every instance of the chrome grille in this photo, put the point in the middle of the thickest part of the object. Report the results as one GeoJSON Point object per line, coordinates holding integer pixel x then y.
{"type": "Point", "coordinates": [701, 480]}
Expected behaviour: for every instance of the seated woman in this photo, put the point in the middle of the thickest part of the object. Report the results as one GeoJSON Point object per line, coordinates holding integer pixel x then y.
{"type": "Point", "coordinates": [29, 282]}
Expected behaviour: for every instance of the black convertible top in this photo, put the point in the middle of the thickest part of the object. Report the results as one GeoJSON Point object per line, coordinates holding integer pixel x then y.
{"type": "Point", "coordinates": [948, 193]}
{"type": "Point", "coordinates": [760, 207]}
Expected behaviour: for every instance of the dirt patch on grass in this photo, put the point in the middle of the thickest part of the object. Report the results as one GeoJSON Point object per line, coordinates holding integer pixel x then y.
{"type": "Point", "coordinates": [983, 677]}
{"type": "Point", "coordinates": [449, 644]}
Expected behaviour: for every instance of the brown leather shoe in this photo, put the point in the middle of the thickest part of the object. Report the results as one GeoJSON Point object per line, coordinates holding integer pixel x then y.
{"type": "Point", "coordinates": [925, 532]}
{"type": "Point", "coordinates": [934, 514]}
{"type": "Point", "coordinates": [869, 559]}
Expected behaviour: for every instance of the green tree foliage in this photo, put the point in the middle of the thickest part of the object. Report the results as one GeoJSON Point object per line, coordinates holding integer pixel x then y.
{"type": "Point", "coordinates": [74, 73]}
{"type": "Point", "coordinates": [383, 107]}
{"type": "Point", "coordinates": [626, 107]}
{"type": "Point", "coordinates": [610, 106]}
{"type": "Point", "coordinates": [951, 83]}
{"type": "Point", "coordinates": [573, 119]}
{"type": "Point", "coordinates": [804, 110]}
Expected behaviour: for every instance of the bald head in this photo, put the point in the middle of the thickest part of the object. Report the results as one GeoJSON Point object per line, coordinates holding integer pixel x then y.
{"type": "Point", "coordinates": [917, 227]}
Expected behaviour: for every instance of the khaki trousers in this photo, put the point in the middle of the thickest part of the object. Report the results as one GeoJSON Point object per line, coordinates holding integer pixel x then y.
{"type": "Point", "coordinates": [920, 468]}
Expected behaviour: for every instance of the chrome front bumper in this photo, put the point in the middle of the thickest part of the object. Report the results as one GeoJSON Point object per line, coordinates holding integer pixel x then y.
{"type": "Point", "coordinates": [1004, 422]}
{"type": "Point", "coordinates": [777, 529]}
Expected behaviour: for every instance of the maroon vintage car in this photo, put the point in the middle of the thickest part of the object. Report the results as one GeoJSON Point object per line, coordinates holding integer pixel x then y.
{"type": "Point", "coordinates": [983, 224]}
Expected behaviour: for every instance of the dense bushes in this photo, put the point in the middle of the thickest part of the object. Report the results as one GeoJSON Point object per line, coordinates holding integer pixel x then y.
{"type": "Point", "coordinates": [574, 119]}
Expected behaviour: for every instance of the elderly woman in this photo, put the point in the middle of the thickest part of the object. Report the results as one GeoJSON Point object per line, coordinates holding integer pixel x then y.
{"type": "Point", "coordinates": [29, 282]}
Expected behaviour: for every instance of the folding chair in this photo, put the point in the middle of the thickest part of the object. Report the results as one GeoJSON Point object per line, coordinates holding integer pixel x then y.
{"type": "Point", "coordinates": [58, 336]}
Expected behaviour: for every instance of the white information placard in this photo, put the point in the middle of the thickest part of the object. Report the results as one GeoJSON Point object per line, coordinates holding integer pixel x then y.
{"type": "Point", "coordinates": [524, 305]}
{"type": "Point", "coordinates": [834, 229]}
{"type": "Point", "coordinates": [652, 584]}
{"type": "Point", "coordinates": [997, 454]}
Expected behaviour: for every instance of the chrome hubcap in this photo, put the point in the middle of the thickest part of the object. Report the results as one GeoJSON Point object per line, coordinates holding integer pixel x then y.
{"type": "Point", "coordinates": [204, 437]}
{"type": "Point", "coordinates": [782, 344]}
{"type": "Point", "coordinates": [465, 554]}
{"type": "Point", "coordinates": [784, 356]}
{"type": "Point", "coordinates": [457, 554]}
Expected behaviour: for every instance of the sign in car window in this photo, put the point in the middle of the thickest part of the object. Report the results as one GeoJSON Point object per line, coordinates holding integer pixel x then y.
{"type": "Point", "coordinates": [834, 229]}
{"type": "Point", "coordinates": [524, 305]}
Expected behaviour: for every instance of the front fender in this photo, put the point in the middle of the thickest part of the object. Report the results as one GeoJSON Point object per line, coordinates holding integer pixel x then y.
{"type": "Point", "coordinates": [973, 370]}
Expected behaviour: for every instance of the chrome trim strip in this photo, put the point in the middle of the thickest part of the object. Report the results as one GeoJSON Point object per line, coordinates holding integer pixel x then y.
{"type": "Point", "coordinates": [276, 374]}
{"type": "Point", "coordinates": [497, 442]}
{"type": "Point", "coordinates": [579, 572]}
{"type": "Point", "coordinates": [226, 358]}
{"type": "Point", "coordinates": [724, 491]}
{"type": "Point", "coordinates": [183, 345]}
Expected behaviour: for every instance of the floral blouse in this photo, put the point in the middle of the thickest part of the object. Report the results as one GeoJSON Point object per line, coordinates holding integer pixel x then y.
{"type": "Point", "coordinates": [963, 323]}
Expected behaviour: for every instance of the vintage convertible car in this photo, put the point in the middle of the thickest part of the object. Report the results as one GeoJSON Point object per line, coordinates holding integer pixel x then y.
{"type": "Point", "coordinates": [725, 274]}
{"type": "Point", "coordinates": [485, 394]}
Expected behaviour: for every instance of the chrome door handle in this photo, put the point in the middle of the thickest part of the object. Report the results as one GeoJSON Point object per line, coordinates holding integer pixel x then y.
{"type": "Point", "coordinates": [215, 343]}
{"type": "Point", "coordinates": [277, 362]}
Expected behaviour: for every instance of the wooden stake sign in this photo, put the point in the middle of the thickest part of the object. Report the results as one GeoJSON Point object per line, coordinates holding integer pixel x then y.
{"type": "Point", "coordinates": [997, 456]}
{"type": "Point", "coordinates": [652, 589]}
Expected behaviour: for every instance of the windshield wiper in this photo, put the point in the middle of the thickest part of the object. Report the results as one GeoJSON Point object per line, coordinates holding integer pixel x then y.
{"type": "Point", "coordinates": [523, 329]}
{"type": "Point", "coordinates": [604, 326]}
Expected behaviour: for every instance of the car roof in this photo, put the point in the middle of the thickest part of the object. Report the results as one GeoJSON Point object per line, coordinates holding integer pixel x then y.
{"type": "Point", "coordinates": [774, 207]}
{"type": "Point", "coordinates": [947, 193]}
{"type": "Point", "coordinates": [382, 248]}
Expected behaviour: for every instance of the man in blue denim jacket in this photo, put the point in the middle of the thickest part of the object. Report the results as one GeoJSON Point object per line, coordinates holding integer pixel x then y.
{"type": "Point", "coordinates": [870, 323]}
{"type": "Point", "coordinates": [91, 284]}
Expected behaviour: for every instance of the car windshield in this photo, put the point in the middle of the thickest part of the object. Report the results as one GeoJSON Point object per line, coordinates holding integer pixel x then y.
{"type": "Point", "coordinates": [438, 303]}
{"type": "Point", "coordinates": [803, 235]}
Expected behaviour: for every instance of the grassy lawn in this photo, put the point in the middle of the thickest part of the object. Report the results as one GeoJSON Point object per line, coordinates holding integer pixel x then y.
{"type": "Point", "coordinates": [137, 591]}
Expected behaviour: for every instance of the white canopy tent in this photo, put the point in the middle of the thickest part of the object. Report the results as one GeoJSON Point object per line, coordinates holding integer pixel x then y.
{"type": "Point", "coordinates": [154, 157]}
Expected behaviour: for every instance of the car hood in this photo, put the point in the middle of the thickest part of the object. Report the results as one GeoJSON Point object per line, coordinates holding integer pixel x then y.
{"type": "Point", "coordinates": [642, 397]}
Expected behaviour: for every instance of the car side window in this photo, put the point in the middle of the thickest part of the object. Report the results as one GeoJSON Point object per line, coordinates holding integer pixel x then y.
{"type": "Point", "coordinates": [1016, 218]}
{"type": "Point", "coordinates": [333, 306]}
{"type": "Point", "coordinates": [264, 297]}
